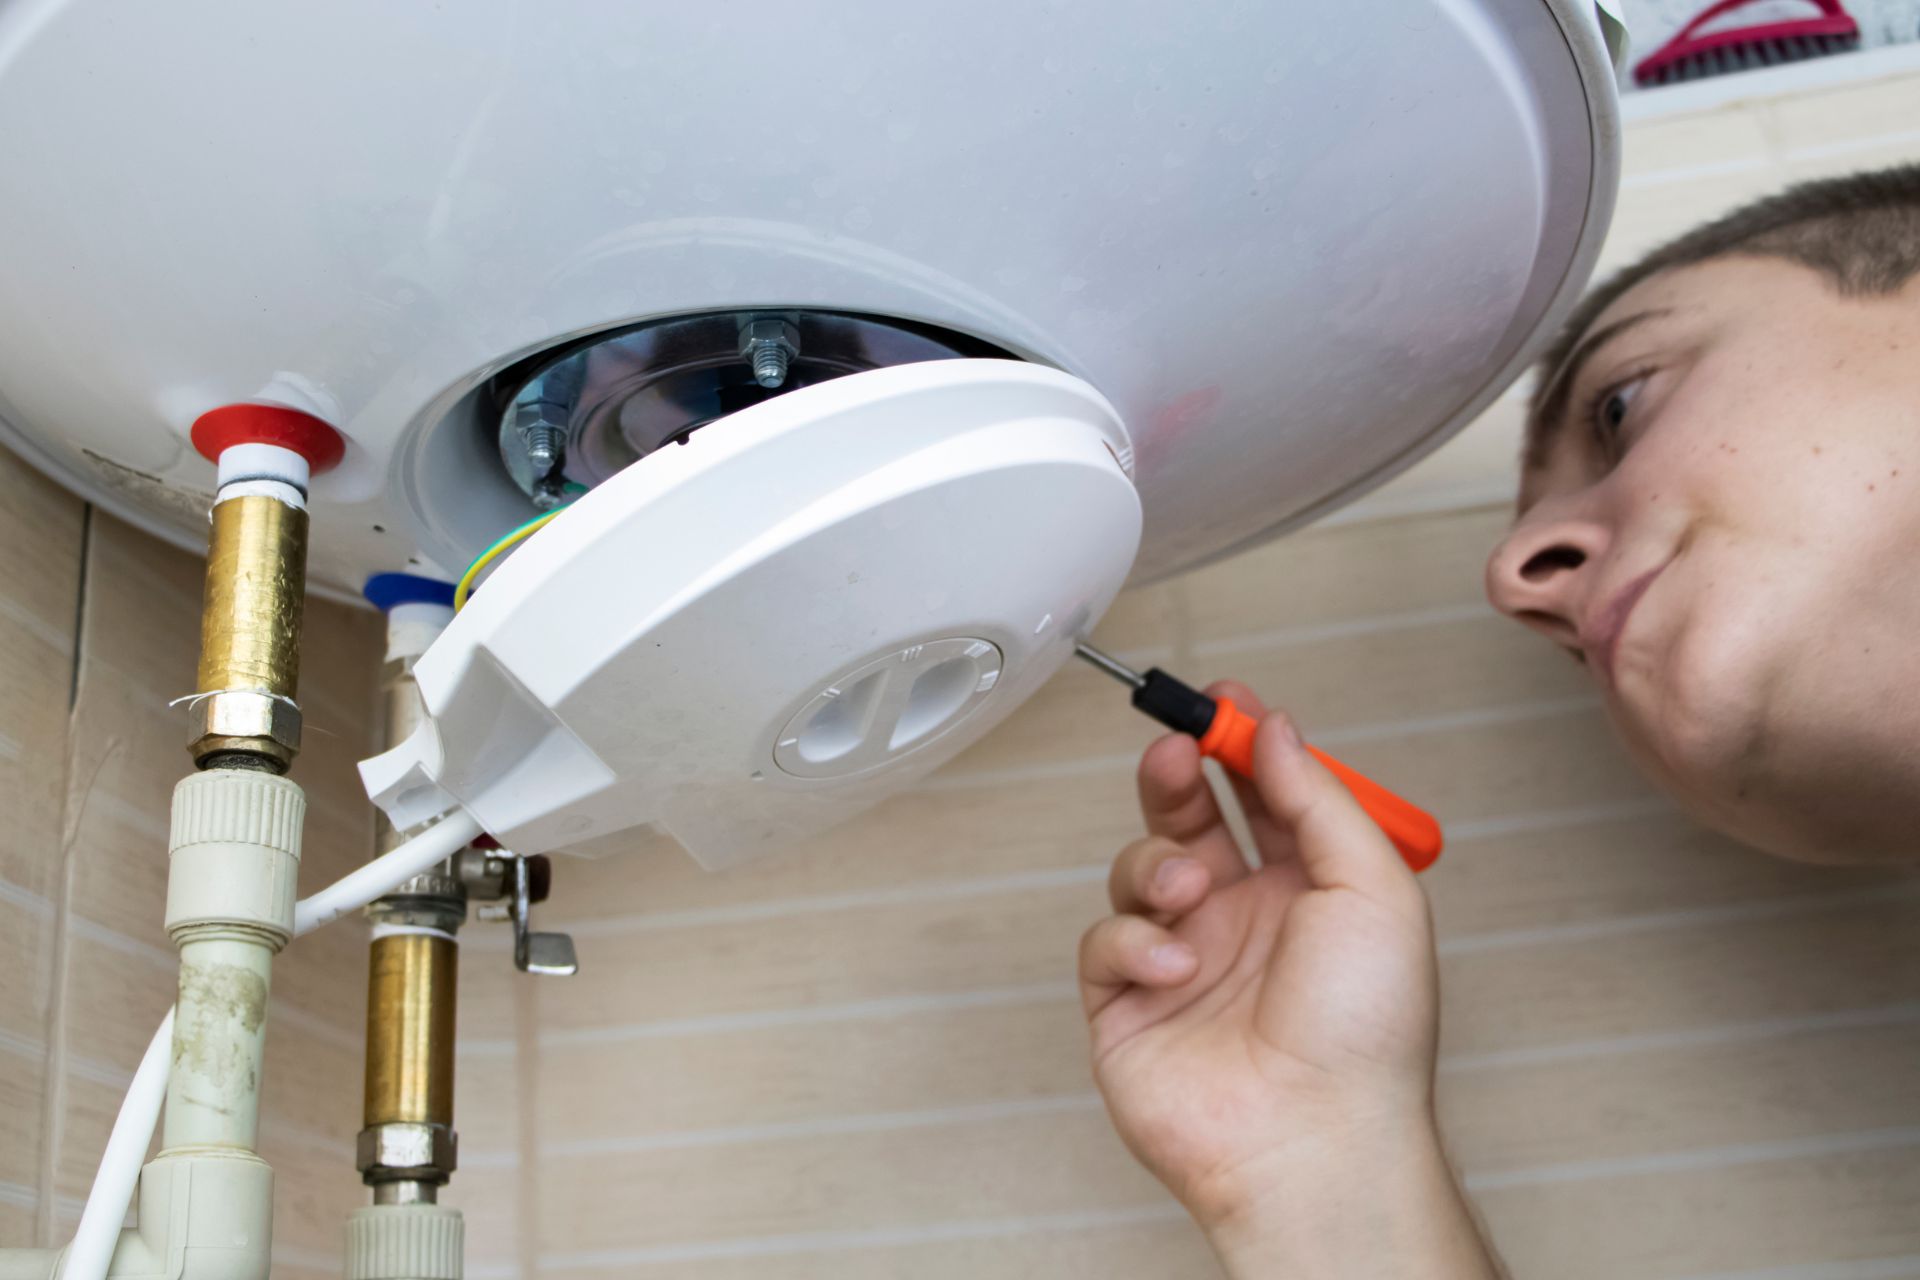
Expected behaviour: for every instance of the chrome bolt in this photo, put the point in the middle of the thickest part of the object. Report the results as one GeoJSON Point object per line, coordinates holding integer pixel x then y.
{"type": "Point", "coordinates": [770, 364]}
{"type": "Point", "coordinates": [544, 444]}
{"type": "Point", "coordinates": [769, 346]}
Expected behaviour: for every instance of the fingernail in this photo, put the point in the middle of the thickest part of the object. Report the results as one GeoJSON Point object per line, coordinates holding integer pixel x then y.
{"type": "Point", "coordinates": [1170, 871]}
{"type": "Point", "coordinates": [1172, 957]}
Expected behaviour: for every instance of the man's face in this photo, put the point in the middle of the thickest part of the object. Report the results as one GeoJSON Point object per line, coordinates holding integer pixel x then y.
{"type": "Point", "coordinates": [1725, 528]}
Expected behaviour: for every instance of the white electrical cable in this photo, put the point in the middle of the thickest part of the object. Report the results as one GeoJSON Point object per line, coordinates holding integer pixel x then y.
{"type": "Point", "coordinates": [359, 887]}
{"type": "Point", "coordinates": [99, 1231]}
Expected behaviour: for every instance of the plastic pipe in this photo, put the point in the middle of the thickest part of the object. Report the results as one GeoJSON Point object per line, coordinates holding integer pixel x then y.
{"type": "Point", "coordinates": [119, 1172]}
{"type": "Point", "coordinates": [213, 1096]}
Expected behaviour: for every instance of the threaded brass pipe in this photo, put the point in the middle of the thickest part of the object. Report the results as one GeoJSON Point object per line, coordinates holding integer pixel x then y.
{"type": "Point", "coordinates": [410, 1006]}
{"type": "Point", "coordinates": [256, 592]}
{"type": "Point", "coordinates": [244, 714]}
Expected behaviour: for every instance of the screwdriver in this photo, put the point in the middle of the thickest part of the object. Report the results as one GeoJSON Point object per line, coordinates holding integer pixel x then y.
{"type": "Point", "coordinates": [1226, 733]}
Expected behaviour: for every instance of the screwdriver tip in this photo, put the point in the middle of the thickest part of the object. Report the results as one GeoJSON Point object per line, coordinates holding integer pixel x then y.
{"type": "Point", "coordinates": [1112, 666]}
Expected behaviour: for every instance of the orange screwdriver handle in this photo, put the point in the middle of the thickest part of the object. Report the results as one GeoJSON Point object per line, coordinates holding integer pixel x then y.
{"type": "Point", "coordinates": [1414, 831]}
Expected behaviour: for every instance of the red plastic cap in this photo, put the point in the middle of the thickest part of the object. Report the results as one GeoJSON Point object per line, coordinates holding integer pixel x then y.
{"type": "Point", "coordinates": [231, 424]}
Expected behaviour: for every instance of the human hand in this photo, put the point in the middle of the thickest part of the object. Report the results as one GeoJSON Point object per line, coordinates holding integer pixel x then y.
{"type": "Point", "coordinates": [1253, 1024]}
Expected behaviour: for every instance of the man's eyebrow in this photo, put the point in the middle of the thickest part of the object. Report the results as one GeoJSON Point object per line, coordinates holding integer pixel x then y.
{"type": "Point", "coordinates": [1553, 397]}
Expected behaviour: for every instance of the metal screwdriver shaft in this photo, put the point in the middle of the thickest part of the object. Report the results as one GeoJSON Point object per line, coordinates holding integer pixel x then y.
{"type": "Point", "coordinates": [1111, 665]}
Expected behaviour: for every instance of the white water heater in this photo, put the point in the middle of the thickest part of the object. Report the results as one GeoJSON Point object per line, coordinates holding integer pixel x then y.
{"type": "Point", "coordinates": [865, 350]}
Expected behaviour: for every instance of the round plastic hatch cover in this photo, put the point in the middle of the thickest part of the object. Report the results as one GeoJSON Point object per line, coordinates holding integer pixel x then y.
{"type": "Point", "coordinates": [752, 636]}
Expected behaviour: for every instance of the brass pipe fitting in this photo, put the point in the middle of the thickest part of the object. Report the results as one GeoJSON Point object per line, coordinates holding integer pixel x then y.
{"type": "Point", "coordinates": [408, 1101]}
{"type": "Point", "coordinates": [250, 632]}
{"type": "Point", "coordinates": [410, 995]}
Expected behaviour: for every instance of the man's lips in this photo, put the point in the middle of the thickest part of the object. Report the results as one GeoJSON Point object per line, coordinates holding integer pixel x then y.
{"type": "Point", "coordinates": [1602, 635]}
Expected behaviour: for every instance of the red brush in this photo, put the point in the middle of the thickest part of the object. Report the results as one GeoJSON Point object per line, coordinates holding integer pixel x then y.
{"type": "Point", "coordinates": [1692, 56]}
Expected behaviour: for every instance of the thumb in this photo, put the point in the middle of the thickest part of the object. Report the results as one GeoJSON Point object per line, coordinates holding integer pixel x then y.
{"type": "Point", "coordinates": [1339, 845]}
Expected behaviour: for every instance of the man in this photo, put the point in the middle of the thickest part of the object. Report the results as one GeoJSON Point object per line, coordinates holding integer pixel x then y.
{"type": "Point", "coordinates": [1719, 515]}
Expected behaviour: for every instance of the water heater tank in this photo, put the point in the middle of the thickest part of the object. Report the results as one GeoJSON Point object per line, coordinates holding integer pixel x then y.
{"type": "Point", "coordinates": [1140, 284]}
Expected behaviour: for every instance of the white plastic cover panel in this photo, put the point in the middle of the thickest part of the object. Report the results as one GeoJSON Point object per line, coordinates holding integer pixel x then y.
{"type": "Point", "coordinates": [754, 636]}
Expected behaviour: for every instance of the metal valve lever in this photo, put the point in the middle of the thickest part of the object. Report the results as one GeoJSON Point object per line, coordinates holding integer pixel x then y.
{"type": "Point", "coordinates": [550, 954]}
{"type": "Point", "coordinates": [540, 953]}
{"type": "Point", "coordinates": [520, 883]}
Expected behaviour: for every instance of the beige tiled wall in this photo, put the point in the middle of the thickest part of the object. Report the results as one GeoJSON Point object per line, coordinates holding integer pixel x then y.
{"type": "Point", "coordinates": [98, 629]}
{"type": "Point", "coordinates": [1663, 1056]}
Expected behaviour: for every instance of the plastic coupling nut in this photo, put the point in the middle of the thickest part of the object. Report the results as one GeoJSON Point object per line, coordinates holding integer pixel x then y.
{"type": "Point", "coordinates": [235, 852]}
{"type": "Point", "coordinates": [405, 1242]}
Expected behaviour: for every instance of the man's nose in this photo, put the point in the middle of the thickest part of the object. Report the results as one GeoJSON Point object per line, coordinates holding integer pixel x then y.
{"type": "Point", "coordinates": [1539, 574]}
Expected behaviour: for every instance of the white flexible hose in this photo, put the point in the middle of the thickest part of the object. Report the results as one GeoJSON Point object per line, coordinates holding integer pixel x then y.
{"type": "Point", "coordinates": [99, 1231]}
{"type": "Point", "coordinates": [385, 873]}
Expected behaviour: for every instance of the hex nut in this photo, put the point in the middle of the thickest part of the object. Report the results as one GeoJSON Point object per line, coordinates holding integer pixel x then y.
{"type": "Point", "coordinates": [418, 1152]}
{"type": "Point", "coordinates": [244, 720]}
{"type": "Point", "coordinates": [757, 333]}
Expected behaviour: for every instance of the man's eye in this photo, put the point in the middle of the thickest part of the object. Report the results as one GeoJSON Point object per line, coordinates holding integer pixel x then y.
{"type": "Point", "coordinates": [1612, 407]}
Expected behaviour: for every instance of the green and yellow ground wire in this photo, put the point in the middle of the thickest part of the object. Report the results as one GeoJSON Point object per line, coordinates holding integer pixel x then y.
{"type": "Point", "coordinates": [464, 587]}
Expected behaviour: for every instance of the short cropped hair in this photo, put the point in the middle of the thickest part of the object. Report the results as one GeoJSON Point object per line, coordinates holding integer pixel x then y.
{"type": "Point", "coordinates": [1861, 231]}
